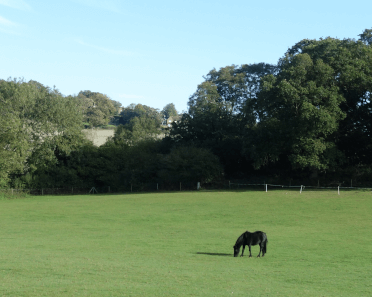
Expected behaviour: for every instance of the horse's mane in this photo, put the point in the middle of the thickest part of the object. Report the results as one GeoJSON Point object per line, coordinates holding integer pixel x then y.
{"type": "Point", "coordinates": [240, 239]}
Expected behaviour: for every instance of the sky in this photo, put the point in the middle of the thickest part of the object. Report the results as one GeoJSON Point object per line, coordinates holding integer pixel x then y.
{"type": "Point", "coordinates": [157, 52]}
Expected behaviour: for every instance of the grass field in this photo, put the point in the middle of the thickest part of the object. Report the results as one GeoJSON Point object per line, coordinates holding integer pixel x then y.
{"type": "Point", "coordinates": [180, 244]}
{"type": "Point", "coordinates": [98, 136]}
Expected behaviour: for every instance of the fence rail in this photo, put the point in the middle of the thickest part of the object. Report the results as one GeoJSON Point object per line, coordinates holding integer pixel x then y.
{"type": "Point", "coordinates": [128, 188]}
{"type": "Point", "coordinates": [181, 186]}
{"type": "Point", "coordinates": [302, 187]}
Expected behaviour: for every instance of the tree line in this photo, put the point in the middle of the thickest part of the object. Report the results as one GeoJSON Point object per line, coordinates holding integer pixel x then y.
{"type": "Point", "coordinates": [308, 116]}
{"type": "Point", "coordinates": [42, 144]}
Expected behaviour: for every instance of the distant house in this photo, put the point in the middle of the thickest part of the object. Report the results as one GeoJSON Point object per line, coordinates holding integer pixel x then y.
{"type": "Point", "coordinates": [171, 119]}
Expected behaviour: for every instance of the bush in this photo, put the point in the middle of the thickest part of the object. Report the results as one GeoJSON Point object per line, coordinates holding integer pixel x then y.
{"type": "Point", "coordinates": [191, 164]}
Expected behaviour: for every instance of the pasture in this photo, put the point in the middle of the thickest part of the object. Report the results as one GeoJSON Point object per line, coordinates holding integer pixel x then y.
{"type": "Point", "coordinates": [181, 244]}
{"type": "Point", "coordinates": [98, 136]}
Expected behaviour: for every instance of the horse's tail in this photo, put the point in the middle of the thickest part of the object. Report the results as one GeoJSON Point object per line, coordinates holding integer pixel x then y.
{"type": "Point", "coordinates": [265, 246]}
{"type": "Point", "coordinates": [265, 242]}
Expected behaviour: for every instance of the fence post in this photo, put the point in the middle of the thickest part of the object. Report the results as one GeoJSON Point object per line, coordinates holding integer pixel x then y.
{"type": "Point", "coordinates": [301, 189]}
{"type": "Point", "coordinates": [338, 190]}
{"type": "Point", "coordinates": [198, 186]}
{"type": "Point", "coordinates": [266, 188]}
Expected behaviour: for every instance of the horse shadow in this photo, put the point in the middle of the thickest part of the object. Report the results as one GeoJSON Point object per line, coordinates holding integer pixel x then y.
{"type": "Point", "coordinates": [215, 254]}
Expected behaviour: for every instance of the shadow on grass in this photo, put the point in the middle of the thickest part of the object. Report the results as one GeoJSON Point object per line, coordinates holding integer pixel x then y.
{"type": "Point", "coordinates": [215, 254]}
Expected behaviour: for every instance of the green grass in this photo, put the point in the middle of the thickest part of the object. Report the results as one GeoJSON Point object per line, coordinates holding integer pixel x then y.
{"type": "Point", "coordinates": [180, 244]}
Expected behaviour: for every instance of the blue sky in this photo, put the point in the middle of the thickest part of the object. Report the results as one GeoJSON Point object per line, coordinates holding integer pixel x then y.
{"type": "Point", "coordinates": [156, 52]}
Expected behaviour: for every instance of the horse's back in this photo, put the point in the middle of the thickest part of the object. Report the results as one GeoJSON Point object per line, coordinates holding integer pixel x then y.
{"type": "Point", "coordinates": [263, 235]}
{"type": "Point", "coordinates": [251, 238]}
{"type": "Point", "coordinates": [258, 237]}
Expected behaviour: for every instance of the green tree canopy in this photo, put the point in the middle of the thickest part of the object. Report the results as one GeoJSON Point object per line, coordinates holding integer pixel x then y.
{"type": "Point", "coordinates": [366, 36]}
{"type": "Point", "coordinates": [37, 124]}
{"type": "Point", "coordinates": [99, 108]}
{"type": "Point", "coordinates": [190, 164]}
{"type": "Point", "coordinates": [138, 111]}
{"type": "Point", "coordinates": [138, 123]}
{"type": "Point", "coordinates": [314, 106]}
{"type": "Point", "coordinates": [169, 111]}
{"type": "Point", "coordinates": [219, 110]}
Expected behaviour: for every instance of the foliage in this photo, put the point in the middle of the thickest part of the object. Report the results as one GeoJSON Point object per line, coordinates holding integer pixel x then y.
{"type": "Point", "coordinates": [311, 112]}
{"type": "Point", "coordinates": [137, 130]}
{"type": "Point", "coordinates": [119, 165]}
{"type": "Point", "coordinates": [366, 36]}
{"type": "Point", "coordinates": [298, 110]}
{"type": "Point", "coordinates": [308, 115]}
{"type": "Point", "coordinates": [137, 123]}
{"type": "Point", "coordinates": [139, 111]}
{"type": "Point", "coordinates": [190, 164]}
{"type": "Point", "coordinates": [317, 103]}
{"type": "Point", "coordinates": [218, 113]}
{"type": "Point", "coordinates": [98, 108]}
{"type": "Point", "coordinates": [38, 126]}
{"type": "Point", "coordinates": [169, 111]}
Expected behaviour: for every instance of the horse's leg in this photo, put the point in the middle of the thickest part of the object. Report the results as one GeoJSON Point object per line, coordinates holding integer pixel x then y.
{"type": "Point", "coordinates": [242, 251]}
{"type": "Point", "coordinates": [250, 253]}
{"type": "Point", "coordinates": [260, 251]}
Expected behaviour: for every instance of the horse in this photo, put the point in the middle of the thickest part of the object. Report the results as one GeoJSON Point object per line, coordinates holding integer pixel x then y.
{"type": "Point", "coordinates": [248, 238]}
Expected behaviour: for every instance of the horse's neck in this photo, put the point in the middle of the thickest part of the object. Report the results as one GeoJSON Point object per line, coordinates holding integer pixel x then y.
{"type": "Point", "coordinates": [240, 240]}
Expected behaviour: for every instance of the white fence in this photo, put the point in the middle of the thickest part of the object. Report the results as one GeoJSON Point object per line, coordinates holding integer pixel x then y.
{"type": "Point", "coordinates": [266, 186]}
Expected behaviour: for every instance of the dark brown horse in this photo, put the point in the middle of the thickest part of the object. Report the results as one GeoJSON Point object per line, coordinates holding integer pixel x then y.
{"type": "Point", "coordinates": [248, 238]}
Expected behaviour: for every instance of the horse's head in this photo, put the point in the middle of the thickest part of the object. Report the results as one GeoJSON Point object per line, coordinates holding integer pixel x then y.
{"type": "Point", "coordinates": [236, 250]}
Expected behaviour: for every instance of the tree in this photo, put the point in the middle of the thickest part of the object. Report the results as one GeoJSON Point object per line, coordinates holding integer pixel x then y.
{"type": "Point", "coordinates": [140, 123]}
{"type": "Point", "coordinates": [219, 110]}
{"type": "Point", "coordinates": [38, 124]}
{"type": "Point", "coordinates": [352, 64]}
{"type": "Point", "coordinates": [191, 164]}
{"type": "Point", "coordinates": [298, 110]}
{"type": "Point", "coordinates": [99, 108]}
{"type": "Point", "coordinates": [138, 111]}
{"type": "Point", "coordinates": [366, 36]}
{"type": "Point", "coordinates": [169, 111]}
{"type": "Point", "coordinates": [311, 109]}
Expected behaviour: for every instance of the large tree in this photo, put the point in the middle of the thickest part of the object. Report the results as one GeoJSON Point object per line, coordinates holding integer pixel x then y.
{"type": "Point", "coordinates": [99, 108]}
{"type": "Point", "coordinates": [137, 123]}
{"type": "Point", "coordinates": [138, 111]}
{"type": "Point", "coordinates": [169, 111]}
{"type": "Point", "coordinates": [316, 106]}
{"type": "Point", "coordinates": [219, 110]}
{"type": "Point", "coordinates": [37, 125]}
